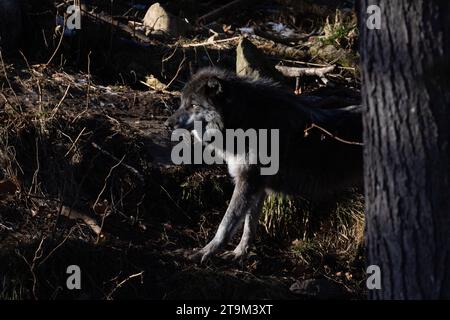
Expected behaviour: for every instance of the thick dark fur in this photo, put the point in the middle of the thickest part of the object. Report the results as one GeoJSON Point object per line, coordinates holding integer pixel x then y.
{"type": "Point", "coordinates": [313, 166]}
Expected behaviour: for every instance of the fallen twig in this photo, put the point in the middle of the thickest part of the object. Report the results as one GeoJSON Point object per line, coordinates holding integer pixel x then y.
{"type": "Point", "coordinates": [57, 247]}
{"type": "Point", "coordinates": [284, 40]}
{"type": "Point", "coordinates": [124, 281]}
{"type": "Point", "coordinates": [293, 72]}
{"type": "Point", "coordinates": [6, 227]}
{"type": "Point", "coordinates": [306, 132]}
{"type": "Point", "coordinates": [310, 63]}
{"type": "Point", "coordinates": [172, 93]}
{"type": "Point", "coordinates": [56, 109]}
{"type": "Point", "coordinates": [130, 168]}
{"type": "Point", "coordinates": [75, 142]}
{"type": "Point", "coordinates": [209, 42]}
{"type": "Point", "coordinates": [103, 190]}
{"type": "Point", "coordinates": [272, 48]}
{"type": "Point", "coordinates": [32, 265]}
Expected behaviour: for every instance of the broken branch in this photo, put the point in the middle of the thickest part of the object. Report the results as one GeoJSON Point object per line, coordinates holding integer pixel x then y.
{"type": "Point", "coordinates": [130, 168]}
{"type": "Point", "coordinates": [306, 131]}
{"type": "Point", "coordinates": [292, 72]}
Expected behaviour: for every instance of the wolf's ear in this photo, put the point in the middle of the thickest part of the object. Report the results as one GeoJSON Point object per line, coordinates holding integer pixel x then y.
{"type": "Point", "coordinates": [214, 87]}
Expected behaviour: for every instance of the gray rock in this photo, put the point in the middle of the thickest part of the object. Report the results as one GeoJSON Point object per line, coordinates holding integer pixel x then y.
{"type": "Point", "coordinates": [252, 62]}
{"type": "Point", "coordinates": [11, 24]}
{"type": "Point", "coordinates": [159, 21]}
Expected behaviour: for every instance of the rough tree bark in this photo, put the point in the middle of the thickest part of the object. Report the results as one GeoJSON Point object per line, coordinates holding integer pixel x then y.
{"type": "Point", "coordinates": [406, 90]}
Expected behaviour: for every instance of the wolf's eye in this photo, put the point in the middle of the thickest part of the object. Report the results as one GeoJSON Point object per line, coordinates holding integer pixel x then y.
{"type": "Point", "coordinates": [195, 106]}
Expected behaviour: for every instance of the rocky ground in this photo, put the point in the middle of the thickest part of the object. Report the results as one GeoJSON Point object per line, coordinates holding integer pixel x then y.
{"type": "Point", "coordinates": [87, 179]}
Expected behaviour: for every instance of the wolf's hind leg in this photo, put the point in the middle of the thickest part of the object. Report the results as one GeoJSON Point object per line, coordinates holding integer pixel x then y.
{"type": "Point", "coordinates": [245, 195]}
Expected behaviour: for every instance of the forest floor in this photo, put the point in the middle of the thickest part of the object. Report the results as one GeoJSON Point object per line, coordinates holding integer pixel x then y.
{"type": "Point", "coordinates": [87, 180]}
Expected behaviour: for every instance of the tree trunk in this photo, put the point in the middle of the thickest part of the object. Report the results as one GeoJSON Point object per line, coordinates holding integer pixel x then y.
{"type": "Point", "coordinates": [406, 90]}
{"type": "Point", "coordinates": [10, 24]}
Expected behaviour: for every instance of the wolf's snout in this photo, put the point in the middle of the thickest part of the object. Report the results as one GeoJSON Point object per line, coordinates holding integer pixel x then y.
{"type": "Point", "coordinates": [180, 119]}
{"type": "Point", "coordinates": [172, 121]}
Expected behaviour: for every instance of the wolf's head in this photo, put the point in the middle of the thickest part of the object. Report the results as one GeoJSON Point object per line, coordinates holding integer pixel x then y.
{"type": "Point", "coordinates": [203, 100]}
{"type": "Point", "coordinates": [224, 112]}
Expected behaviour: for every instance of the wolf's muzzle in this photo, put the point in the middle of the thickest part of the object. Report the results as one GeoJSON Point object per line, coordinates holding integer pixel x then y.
{"type": "Point", "coordinates": [180, 119]}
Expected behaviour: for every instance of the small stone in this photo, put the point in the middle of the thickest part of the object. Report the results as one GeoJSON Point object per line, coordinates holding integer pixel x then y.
{"type": "Point", "coordinates": [252, 62]}
{"type": "Point", "coordinates": [159, 21]}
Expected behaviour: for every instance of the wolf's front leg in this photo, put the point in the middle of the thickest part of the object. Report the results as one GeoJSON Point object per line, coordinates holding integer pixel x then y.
{"type": "Point", "coordinates": [244, 196]}
{"type": "Point", "coordinates": [250, 227]}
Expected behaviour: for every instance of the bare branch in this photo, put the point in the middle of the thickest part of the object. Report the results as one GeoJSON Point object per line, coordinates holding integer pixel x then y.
{"type": "Point", "coordinates": [306, 131]}
{"type": "Point", "coordinates": [293, 72]}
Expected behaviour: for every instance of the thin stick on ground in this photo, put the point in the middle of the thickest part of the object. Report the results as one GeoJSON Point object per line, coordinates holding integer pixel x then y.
{"type": "Point", "coordinates": [209, 43]}
{"type": "Point", "coordinates": [130, 168]}
{"type": "Point", "coordinates": [293, 72]}
{"type": "Point", "coordinates": [120, 284]}
{"type": "Point", "coordinates": [56, 109]}
{"type": "Point", "coordinates": [32, 265]}
{"type": "Point", "coordinates": [75, 142]}
{"type": "Point", "coordinates": [310, 63]}
{"type": "Point", "coordinates": [57, 247]}
{"type": "Point", "coordinates": [102, 191]}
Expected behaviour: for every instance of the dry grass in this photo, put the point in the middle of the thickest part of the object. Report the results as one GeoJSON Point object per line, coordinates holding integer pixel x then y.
{"type": "Point", "coordinates": [340, 31]}
{"type": "Point", "coordinates": [326, 242]}
{"type": "Point", "coordinates": [317, 231]}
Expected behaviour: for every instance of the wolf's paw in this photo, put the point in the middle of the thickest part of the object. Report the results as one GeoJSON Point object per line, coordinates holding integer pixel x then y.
{"type": "Point", "coordinates": [233, 257]}
{"type": "Point", "coordinates": [204, 254]}
{"type": "Point", "coordinates": [196, 256]}
{"type": "Point", "coordinates": [237, 255]}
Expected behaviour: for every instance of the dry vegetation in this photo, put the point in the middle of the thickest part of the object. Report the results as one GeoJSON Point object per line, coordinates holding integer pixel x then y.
{"type": "Point", "coordinates": [86, 177]}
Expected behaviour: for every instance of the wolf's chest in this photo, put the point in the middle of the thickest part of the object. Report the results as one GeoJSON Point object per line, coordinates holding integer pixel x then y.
{"type": "Point", "coordinates": [239, 163]}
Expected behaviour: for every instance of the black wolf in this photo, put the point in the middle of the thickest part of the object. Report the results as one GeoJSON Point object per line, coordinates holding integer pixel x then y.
{"type": "Point", "coordinates": [313, 165]}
